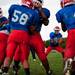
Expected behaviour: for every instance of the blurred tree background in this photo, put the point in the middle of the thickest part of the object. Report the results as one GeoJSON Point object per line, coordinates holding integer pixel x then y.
{"type": "Point", "coordinates": [47, 43]}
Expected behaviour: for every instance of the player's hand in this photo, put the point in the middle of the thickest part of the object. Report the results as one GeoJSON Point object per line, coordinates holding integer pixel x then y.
{"type": "Point", "coordinates": [45, 22]}
{"type": "Point", "coordinates": [60, 41]}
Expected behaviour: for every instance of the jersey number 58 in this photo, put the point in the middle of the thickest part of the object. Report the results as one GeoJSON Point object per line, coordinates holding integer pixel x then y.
{"type": "Point", "coordinates": [20, 17]}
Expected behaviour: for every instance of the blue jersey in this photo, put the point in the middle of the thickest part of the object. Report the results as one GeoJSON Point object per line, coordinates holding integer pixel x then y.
{"type": "Point", "coordinates": [6, 27]}
{"type": "Point", "coordinates": [67, 16]}
{"type": "Point", "coordinates": [55, 38]}
{"type": "Point", "coordinates": [47, 13]}
{"type": "Point", "coordinates": [3, 21]}
{"type": "Point", "coordinates": [22, 17]}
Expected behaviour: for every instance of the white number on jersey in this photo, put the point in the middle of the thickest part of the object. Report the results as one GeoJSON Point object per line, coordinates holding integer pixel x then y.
{"type": "Point", "coordinates": [22, 19]}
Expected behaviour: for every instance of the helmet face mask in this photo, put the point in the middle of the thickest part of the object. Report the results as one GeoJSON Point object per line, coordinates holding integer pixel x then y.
{"type": "Point", "coordinates": [56, 29]}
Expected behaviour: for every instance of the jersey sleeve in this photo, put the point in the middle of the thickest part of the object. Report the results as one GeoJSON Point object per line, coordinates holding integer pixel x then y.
{"type": "Point", "coordinates": [36, 19]}
{"type": "Point", "coordinates": [51, 35]}
{"type": "Point", "coordinates": [58, 17]}
{"type": "Point", "coordinates": [60, 35]}
{"type": "Point", "coordinates": [47, 12]}
{"type": "Point", "coordinates": [4, 20]}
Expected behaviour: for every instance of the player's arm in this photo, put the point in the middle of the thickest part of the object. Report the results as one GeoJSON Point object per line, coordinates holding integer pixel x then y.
{"type": "Point", "coordinates": [44, 19]}
{"type": "Point", "coordinates": [3, 27]}
{"type": "Point", "coordinates": [60, 40]}
{"type": "Point", "coordinates": [39, 6]}
{"type": "Point", "coordinates": [63, 27]}
{"type": "Point", "coordinates": [4, 22]}
{"type": "Point", "coordinates": [46, 12]}
{"type": "Point", "coordinates": [45, 22]}
{"type": "Point", "coordinates": [60, 20]}
{"type": "Point", "coordinates": [51, 37]}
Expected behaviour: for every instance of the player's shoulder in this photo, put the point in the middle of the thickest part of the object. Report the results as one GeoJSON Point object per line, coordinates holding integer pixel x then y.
{"type": "Point", "coordinates": [14, 6]}
{"type": "Point", "coordinates": [63, 10]}
{"type": "Point", "coordinates": [52, 34]}
{"type": "Point", "coordinates": [60, 11]}
{"type": "Point", "coordinates": [46, 11]}
{"type": "Point", "coordinates": [59, 34]}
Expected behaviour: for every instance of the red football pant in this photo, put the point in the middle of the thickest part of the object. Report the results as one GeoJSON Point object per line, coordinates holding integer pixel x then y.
{"type": "Point", "coordinates": [17, 54]}
{"type": "Point", "coordinates": [57, 48]}
{"type": "Point", "coordinates": [3, 45]}
{"type": "Point", "coordinates": [18, 38]}
{"type": "Point", "coordinates": [37, 43]}
{"type": "Point", "coordinates": [70, 44]}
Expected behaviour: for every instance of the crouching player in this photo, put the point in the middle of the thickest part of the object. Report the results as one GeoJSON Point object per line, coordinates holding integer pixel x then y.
{"type": "Point", "coordinates": [67, 20]}
{"type": "Point", "coordinates": [21, 17]}
{"type": "Point", "coordinates": [55, 41]}
{"type": "Point", "coordinates": [3, 38]}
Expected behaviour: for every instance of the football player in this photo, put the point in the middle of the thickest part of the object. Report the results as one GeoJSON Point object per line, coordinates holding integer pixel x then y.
{"type": "Point", "coordinates": [36, 40]}
{"type": "Point", "coordinates": [3, 37]}
{"type": "Point", "coordinates": [55, 41]}
{"type": "Point", "coordinates": [66, 16]}
{"type": "Point", "coordinates": [21, 17]}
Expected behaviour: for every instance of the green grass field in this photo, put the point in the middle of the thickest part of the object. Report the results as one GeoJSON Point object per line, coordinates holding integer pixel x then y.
{"type": "Point", "coordinates": [55, 61]}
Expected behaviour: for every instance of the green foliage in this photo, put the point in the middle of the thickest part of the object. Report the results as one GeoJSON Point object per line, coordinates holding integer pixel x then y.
{"type": "Point", "coordinates": [47, 43]}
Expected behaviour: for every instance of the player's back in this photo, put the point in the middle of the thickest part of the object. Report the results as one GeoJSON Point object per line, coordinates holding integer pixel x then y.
{"type": "Point", "coordinates": [68, 16]}
{"type": "Point", "coordinates": [21, 17]}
